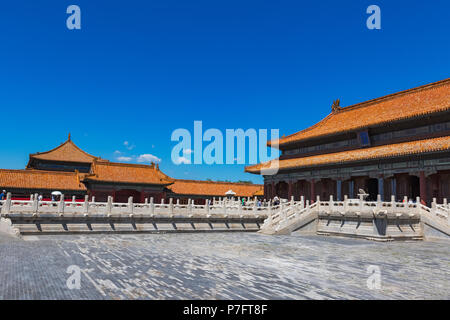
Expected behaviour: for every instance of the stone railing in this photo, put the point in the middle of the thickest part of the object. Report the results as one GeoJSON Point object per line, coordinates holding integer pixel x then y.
{"type": "Point", "coordinates": [87, 208]}
{"type": "Point", "coordinates": [355, 208]}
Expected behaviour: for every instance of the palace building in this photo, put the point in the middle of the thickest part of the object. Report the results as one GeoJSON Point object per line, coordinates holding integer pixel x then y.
{"type": "Point", "coordinates": [397, 145]}
{"type": "Point", "coordinates": [74, 172]}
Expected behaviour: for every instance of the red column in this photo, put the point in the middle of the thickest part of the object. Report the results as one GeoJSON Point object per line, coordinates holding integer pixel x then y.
{"type": "Point", "coordinates": [313, 192]}
{"type": "Point", "coordinates": [290, 190]}
{"type": "Point", "coordinates": [423, 186]}
{"type": "Point", "coordinates": [273, 189]}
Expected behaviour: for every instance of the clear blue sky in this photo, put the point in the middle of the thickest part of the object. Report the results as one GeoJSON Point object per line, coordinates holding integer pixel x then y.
{"type": "Point", "coordinates": [137, 70]}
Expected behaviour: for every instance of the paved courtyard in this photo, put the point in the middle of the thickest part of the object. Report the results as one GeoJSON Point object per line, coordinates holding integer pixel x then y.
{"type": "Point", "coordinates": [221, 266]}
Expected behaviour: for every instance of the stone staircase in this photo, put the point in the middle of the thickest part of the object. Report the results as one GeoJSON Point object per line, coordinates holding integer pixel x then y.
{"type": "Point", "coordinates": [373, 220]}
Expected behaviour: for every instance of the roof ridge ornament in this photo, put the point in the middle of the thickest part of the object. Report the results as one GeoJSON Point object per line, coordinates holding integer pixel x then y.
{"type": "Point", "coordinates": [69, 139]}
{"type": "Point", "coordinates": [335, 106]}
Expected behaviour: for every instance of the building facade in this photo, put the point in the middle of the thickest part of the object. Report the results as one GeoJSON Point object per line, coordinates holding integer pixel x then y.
{"type": "Point", "coordinates": [72, 171]}
{"type": "Point", "coordinates": [397, 145]}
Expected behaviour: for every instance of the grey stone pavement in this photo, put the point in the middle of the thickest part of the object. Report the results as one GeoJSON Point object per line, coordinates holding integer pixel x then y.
{"type": "Point", "coordinates": [221, 266]}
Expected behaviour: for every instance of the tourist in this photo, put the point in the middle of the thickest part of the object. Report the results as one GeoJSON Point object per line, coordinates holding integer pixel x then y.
{"type": "Point", "coordinates": [40, 197]}
{"type": "Point", "coordinates": [3, 195]}
{"type": "Point", "coordinates": [276, 201]}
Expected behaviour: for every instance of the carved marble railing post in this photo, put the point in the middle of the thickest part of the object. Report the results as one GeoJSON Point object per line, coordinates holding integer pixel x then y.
{"type": "Point", "coordinates": [170, 206]}
{"type": "Point", "coordinates": [240, 207]}
{"type": "Point", "coordinates": [207, 206]}
{"type": "Point", "coordinates": [190, 206]}
{"type": "Point", "coordinates": [61, 205]}
{"type": "Point", "coordinates": [393, 204]}
{"type": "Point", "coordinates": [152, 206]}
{"type": "Point", "coordinates": [345, 203]}
{"type": "Point", "coordinates": [318, 203]}
{"type": "Point", "coordinates": [331, 206]}
{"type": "Point", "coordinates": [270, 211]}
{"type": "Point", "coordinates": [6, 209]}
{"type": "Point", "coordinates": [418, 209]}
{"type": "Point", "coordinates": [378, 201]}
{"type": "Point", "coordinates": [433, 204]}
{"type": "Point", "coordinates": [93, 199]}
{"type": "Point", "coordinates": [130, 205]}
{"type": "Point", "coordinates": [302, 202]}
{"type": "Point", "coordinates": [224, 207]}
{"type": "Point", "coordinates": [35, 203]}
{"type": "Point", "coordinates": [86, 204]}
{"type": "Point", "coordinates": [109, 206]}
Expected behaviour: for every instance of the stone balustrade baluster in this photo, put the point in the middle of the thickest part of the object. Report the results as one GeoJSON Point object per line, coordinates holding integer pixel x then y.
{"type": "Point", "coordinates": [35, 203]}
{"type": "Point", "coordinates": [61, 205]}
{"type": "Point", "coordinates": [393, 204]}
{"type": "Point", "coordinates": [171, 206]}
{"type": "Point", "coordinates": [130, 205]}
{"type": "Point", "coordinates": [152, 206]}
{"type": "Point", "coordinates": [207, 206]}
{"type": "Point", "coordinates": [86, 204]}
{"type": "Point", "coordinates": [6, 208]}
{"type": "Point", "coordinates": [331, 207]}
{"type": "Point", "coordinates": [109, 205]}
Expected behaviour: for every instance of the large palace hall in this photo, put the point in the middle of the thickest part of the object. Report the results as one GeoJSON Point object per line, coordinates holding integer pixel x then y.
{"type": "Point", "coordinates": [397, 145]}
{"type": "Point", "coordinates": [72, 171]}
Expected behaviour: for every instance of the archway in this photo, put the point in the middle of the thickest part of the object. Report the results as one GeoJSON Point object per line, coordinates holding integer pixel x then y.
{"type": "Point", "coordinates": [414, 187]}
{"type": "Point", "coordinates": [282, 190]}
{"type": "Point", "coordinates": [372, 189]}
{"type": "Point", "coordinates": [122, 196]}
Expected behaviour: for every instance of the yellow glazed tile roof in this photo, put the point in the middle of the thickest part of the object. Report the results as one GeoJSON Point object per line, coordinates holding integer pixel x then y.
{"type": "Point", "coordinates": [420, 101]}
{"type": "Point", "coordinates": [380, 152]}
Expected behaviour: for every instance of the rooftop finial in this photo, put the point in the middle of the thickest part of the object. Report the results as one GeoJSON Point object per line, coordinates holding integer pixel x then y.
{"type": "Point", "coordinates": [335, 106]}
{"type": "Point", "coordinates": [69, 137]}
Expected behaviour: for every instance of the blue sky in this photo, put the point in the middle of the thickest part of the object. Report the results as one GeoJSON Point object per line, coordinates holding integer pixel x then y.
{"type": "Point", "coordinates": [137, 70]}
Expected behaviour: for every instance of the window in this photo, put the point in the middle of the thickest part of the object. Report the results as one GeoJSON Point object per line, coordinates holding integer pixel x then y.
{"type": "Point", "coordinates": [364, 139]}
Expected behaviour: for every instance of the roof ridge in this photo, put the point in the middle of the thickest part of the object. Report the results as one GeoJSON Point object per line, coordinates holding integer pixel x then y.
{"type": "Point", "coordinates": [393, 95]}
{"type": "Point", "coordinates": [123, 164]}
{"type": "Point", "coordinates": [38, 171]}
{"type": "Point", "coordinates": [69, 140]}
{"type": "Point", "coordinates": [219, 182]}
{"type": "Point", "coordinates": [364, 104]}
